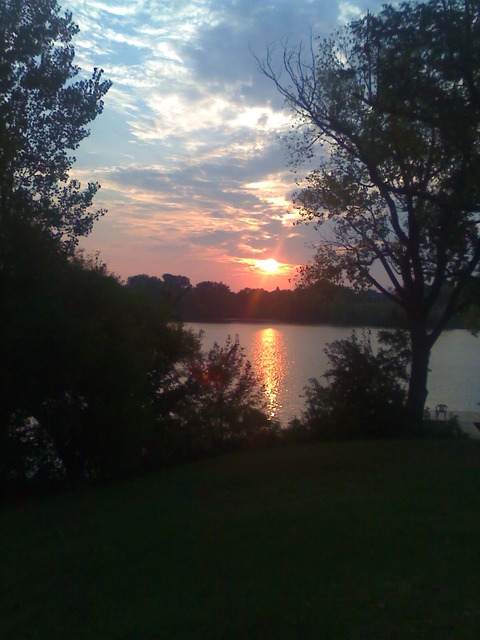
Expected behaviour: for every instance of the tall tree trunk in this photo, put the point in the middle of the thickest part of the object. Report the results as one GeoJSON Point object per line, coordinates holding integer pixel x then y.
{"type": "Point", "coordinates": [417, 389]}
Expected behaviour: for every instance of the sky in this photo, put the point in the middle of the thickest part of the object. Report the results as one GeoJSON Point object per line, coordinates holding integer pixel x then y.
{"type": "Point", "coordinates": [190, 149]}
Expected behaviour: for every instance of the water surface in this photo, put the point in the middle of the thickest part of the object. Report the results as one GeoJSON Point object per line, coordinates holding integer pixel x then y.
{"type": "Point", "coordinates": [286, 356]}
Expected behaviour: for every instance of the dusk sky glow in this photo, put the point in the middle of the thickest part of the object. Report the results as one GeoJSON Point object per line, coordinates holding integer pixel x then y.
{"type": "Point", "coordinates": [189, 148]}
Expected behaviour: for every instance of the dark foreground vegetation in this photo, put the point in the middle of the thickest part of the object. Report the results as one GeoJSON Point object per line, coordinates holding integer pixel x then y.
{"type": "Point", "coordinates": [98, 383]}
{"type": "Point", "coordinates": [353, 540]}
{"type": "Point", "coordinates": [97, 380]}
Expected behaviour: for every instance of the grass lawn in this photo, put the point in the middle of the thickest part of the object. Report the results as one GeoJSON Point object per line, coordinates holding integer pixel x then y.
{"type": "Point", "coordinates": [350, 541]}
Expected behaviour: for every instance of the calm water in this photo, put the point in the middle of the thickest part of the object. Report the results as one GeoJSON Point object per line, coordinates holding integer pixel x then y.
{"type": "Point", "coordinates": [286, 356]}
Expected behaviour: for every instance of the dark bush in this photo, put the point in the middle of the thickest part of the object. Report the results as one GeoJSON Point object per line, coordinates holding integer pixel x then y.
{"type": "Point", "coordinates": [214, 403]}
{"type": "Point", "coordinates": [365, 395]}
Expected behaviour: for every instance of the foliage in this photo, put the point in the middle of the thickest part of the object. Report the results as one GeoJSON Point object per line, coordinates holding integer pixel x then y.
{"type": "Point", "coordinates": [167, 292]}
{"type": "Point", "coordinates": [397, 192]}
{"type": "Point", "coordinates": [472, 315]}
{"type": "Point", "coordinates": [44, 113]}
{"type": "Point", "coordinates": [81, 355]}
{"type": "Point", "coordinates": [210, 301]}
{"type": "Point", "coordinates": [365, 395]}
{"type": "Point", "coordinates": [214, 403]}
{"type": "Point", "coordinates": [96, 382]}
{"type": "Point", "coordinates": [315, 303]}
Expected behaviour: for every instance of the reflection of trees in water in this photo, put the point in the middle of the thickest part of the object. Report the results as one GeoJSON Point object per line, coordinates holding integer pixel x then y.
{"type": "Point", "coordinates": [269, 360]}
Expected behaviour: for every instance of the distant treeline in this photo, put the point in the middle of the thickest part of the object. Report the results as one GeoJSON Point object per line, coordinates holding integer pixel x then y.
{"type": "Point", "coordinates": [317, 304]}
{"type": "Point", "coordinates": [321, 303]}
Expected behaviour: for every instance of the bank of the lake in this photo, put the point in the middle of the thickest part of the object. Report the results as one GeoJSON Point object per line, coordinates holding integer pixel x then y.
{"type": "Point", "coordinates": [285, 356]}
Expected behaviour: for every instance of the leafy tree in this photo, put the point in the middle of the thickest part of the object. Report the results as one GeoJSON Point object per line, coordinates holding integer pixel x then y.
{"type": "Point", "coordinates": [177, 285]}
{"type": "Point", "coordinates": [83, 358]}
{"type": "Point", "coordinates": [365, 393]}
{"type": "Point", "coordinates": [210, 301]}
{"type": "Point", "coordinates": [218, 403]}
{"type": "Point", "coordinates": [227, 388]}
{"type": "Point", "coordinates": [44, 113]}
{"type": "Point", "coordinates": [47, 335]}
{"type": "Point", "coordinates": [168, 291]}
{"type": "Point", "coordinates": [394, 100]}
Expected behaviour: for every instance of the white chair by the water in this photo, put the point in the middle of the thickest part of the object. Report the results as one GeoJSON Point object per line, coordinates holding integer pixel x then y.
{"type": "Point", "coordinates": [441, 409]}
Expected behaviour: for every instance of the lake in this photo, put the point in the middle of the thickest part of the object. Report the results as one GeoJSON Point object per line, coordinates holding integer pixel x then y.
{"type": "Point", "coordinates": [286, 356]}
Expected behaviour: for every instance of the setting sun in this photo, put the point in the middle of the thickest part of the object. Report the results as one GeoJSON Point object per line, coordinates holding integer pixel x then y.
{"type": "Point", "coordinates": [269, 266]}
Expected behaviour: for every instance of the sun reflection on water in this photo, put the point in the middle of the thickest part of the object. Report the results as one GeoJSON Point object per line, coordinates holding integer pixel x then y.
{"type": "Point", "coordinates": [269, 360]}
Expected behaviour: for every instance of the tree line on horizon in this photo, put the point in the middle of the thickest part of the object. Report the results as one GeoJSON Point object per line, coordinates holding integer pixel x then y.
{"type": "Point", "coordinates": [320, 302]}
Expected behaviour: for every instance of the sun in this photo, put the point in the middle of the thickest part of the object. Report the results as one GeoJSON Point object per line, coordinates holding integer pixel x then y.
{"type": "Point", "coordinates": [268, 266]}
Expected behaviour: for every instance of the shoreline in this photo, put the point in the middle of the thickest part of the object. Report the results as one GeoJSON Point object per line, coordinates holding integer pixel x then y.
{"type": "Point", "coordinates": [466, 420]}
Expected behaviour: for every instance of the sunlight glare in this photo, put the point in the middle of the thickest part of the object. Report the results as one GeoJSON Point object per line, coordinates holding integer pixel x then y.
{"type": "Point", "coordinates": [268, 266]}
{"type": "Point", "coordinates": [269, 359]}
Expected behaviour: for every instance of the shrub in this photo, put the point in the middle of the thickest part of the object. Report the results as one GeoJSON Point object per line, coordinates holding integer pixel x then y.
{"type": "Point", "coordinates": [365, 395]}
{"type": "Point", "coordinates": [215, 403]}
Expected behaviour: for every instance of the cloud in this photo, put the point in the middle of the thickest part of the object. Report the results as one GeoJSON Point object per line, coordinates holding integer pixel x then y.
{"type": "Point", "coordinates": [189, 148]}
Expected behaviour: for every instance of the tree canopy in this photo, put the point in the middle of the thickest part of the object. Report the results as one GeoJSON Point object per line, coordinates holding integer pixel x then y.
{"type": "Point", "coordinates": [45, 108]}
{"type": "Point", "coordinates": [389, 106]}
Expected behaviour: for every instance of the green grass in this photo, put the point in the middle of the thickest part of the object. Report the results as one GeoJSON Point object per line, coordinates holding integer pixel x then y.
{"type": "Point", "coordinates": [348, 541]}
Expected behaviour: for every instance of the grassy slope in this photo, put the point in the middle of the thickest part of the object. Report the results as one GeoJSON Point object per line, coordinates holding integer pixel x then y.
{"type": "Point", "coordinates": [355, 540]}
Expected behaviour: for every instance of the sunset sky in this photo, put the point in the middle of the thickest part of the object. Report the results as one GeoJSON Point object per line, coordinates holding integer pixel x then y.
{"type": "Point", "coordinates": [189, 148]}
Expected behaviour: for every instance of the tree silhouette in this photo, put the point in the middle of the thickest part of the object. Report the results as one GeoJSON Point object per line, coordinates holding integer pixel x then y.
{"type": "Point", "coordinates": [44, 113]}
{"type": "Point", "coordinates": [398, 189]}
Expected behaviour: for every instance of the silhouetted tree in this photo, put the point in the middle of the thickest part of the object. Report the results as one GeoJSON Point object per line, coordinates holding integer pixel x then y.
{"type": "Point", "coordinates": [314, 302]}
{"type": "Point", "coordinates": [178, 285]}
{"type": "Point", "coordinates": [44, 113]}
{"type": "Point", "coordinates": [210, 301]}
{"type": "Point", "coordinates": [365, 393]}
{"type": "Point", "coordinates": [217, 404]}
{"type": "Point", "coordinates": [394, 99]}
{"type": "Point", "coordinates": [83, 360]}
{"type": "Point", "coordinates": [168, 291]}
